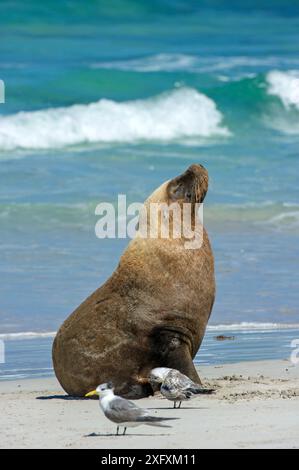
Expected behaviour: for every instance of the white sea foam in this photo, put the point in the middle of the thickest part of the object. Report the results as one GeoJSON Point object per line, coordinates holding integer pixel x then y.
{"type": "Point", "coordinates": [191, 63]}
{"type": "Point", "coordinates": [27, 335]}
{"type": "Point", "coordinates": [253, 326]}
{"type": "Point", "coordinates": [285, 85]}
{"type": "Point", "coordinates": [246, 326]}
{"type": "Point", "coordinates": [155, 63]}
{"type": "Point", "coordinates": [290, 218]}
{"type": "Point", "coordinates": [179, 114]}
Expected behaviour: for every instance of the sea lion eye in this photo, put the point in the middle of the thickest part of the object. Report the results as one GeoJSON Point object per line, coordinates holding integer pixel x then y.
{"type": "Point", "coordinates": [177, 191]}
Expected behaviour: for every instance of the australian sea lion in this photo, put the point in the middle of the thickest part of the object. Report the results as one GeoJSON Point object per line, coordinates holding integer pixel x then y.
{"type": "Point", "coordinates": [152, 312]}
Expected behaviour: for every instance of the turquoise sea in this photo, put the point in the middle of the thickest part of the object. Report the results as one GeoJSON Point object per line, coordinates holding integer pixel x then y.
{"type": "Point", "coordinates": [116, 96]}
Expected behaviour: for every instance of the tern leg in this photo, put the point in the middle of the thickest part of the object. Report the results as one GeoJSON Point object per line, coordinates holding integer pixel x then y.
{"type": "Point", "coordinates": [174, 404]}
{"type": "Point", "coordinates": [117, 429]}
{"type": "Point", "coordinates": [180, 404]}
{"type": "Point", "coordinates": [124, 431]}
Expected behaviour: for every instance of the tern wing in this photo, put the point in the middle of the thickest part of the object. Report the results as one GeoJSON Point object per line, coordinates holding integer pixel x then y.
{"type": "Point", "coordinates": [175, 380]}
{"type": "Point", "coordinates": [173, 388]}
{"type": "Point", "coordinates": [125, 411]}
{"type": "Point", "coordinates": [121, 410]}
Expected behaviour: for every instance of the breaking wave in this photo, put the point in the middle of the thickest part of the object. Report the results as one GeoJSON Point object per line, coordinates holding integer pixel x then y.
{"type": "Point", "coordinates": [180, 114]}
{"type": "Point", "coordinates": [285, 86]}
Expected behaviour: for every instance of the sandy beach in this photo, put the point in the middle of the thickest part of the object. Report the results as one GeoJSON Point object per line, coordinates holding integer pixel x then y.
{"type": "Point", "coordinates": [255, 406]}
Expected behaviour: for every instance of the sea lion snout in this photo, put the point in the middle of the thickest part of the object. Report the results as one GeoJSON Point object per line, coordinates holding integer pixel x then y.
{"type": "Point", "coordinates": [197, 169]}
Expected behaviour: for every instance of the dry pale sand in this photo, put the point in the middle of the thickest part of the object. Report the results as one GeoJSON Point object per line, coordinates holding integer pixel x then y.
{"type": "Point", "coordinates": [256, 406]}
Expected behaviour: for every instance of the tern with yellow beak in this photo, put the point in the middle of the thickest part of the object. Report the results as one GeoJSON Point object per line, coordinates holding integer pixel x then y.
{"type": "Point", "coordinates": [123, 412]}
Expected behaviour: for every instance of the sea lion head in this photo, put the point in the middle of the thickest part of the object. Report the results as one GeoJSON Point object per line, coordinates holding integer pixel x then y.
{"type": "Point", "coordinates": [191, 186]}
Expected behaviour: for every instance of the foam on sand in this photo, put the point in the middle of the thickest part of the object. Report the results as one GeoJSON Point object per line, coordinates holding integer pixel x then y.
{"type": "Point", "coordinates": [178, 114]}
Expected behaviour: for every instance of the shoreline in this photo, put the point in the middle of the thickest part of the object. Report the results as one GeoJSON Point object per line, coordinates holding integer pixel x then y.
{"type": "Point", "coordinates": [255, 406]}
{"type": "Point", "coordinates": [241, 326]}
{"type": "Point", "coordinates": [30, 358]}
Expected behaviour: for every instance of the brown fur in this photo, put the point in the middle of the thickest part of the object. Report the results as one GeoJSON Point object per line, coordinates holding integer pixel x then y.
{"type": "Point", "coordinates": [151, 312]}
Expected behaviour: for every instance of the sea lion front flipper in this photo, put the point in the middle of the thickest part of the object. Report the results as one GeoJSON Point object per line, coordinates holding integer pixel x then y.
{"type": "Point", "coordinates": [182, 361]}
{"type": "Point", "coordinates": [172, 349]}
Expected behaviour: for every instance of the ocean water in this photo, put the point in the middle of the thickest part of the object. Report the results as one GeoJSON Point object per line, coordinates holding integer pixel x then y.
{"type": "Point", "coordinates": [29, 355]}
{"type": "Point", "coordinates": [109, 97]}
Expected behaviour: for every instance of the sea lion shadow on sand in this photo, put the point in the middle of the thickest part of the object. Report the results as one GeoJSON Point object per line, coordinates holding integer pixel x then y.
{"type": "Point", "coordinates": [152, 312]}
